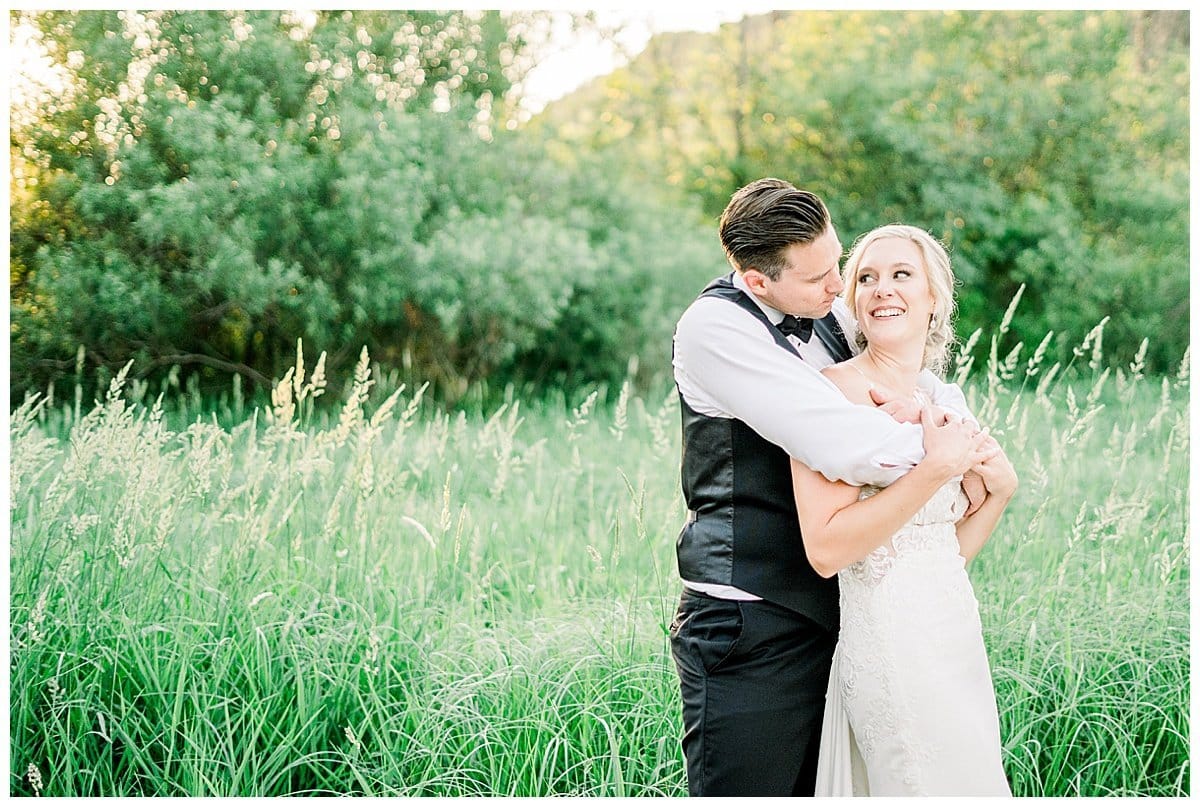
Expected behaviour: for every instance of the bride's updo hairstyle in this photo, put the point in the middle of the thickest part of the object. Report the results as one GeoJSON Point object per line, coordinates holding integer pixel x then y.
{"type": "Point", "coordinates": [940, 337]}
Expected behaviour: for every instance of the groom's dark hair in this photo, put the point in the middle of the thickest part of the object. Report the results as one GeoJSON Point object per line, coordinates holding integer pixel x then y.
{"type": "Point", "coordinates": [765, 218]}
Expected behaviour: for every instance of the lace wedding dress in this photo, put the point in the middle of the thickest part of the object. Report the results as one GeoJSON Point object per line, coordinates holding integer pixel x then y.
{"type": "Point", "coordinates": [910, 708]}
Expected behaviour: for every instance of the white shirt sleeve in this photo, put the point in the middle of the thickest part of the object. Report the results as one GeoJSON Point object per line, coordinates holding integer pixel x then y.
{"type": "Point", "coordinates": [727, 364]}
{"type": "Point", "coordinates": [946, 394]}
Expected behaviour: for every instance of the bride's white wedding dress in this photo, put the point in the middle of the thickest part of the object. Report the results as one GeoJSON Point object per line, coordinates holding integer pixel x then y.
{"type": "Point", "coordinates": [910, 708]}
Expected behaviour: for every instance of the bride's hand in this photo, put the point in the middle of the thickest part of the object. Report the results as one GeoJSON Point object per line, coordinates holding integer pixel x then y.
{"type": "Point", "coordinates": [972, 485]}
{"type": "Point", "coordinates": [997, 472]}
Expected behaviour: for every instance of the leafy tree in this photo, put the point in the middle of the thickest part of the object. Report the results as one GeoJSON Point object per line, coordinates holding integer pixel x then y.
{"type": "Point", "coordinates": [224, 183]}
{"type": "Point", "coordinates": [1047, 149]}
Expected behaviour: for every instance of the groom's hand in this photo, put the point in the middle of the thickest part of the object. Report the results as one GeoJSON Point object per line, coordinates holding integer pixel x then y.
{"type": "Point", "coordinates": [903, 410]}
{"type": "Point", "coordinates": [972, 485]}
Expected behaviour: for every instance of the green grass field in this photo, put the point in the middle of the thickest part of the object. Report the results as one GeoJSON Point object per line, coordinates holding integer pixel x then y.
{"type": "Point", "coordinates": [384, 599]}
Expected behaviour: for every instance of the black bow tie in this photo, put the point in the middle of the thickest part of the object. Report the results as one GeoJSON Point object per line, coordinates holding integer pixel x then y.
{"type": "Point", "coordinates": [796, 326]}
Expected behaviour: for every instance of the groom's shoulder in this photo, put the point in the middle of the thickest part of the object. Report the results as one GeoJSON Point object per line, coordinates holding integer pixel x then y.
{"type": "Point", "coordinates": [719, 288]}
{"type": "Point", "coordinates": [712, 314]}
{"type": "Point", "coordinates": [720, 299]}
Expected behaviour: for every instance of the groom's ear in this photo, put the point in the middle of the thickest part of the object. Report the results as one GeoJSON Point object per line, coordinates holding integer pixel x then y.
{"type": "Point", "coordinates": [755, 280]}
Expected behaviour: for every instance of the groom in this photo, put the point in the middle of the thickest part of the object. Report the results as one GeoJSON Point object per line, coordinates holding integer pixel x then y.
{"type": "Point", "coordinates": [756, 626]}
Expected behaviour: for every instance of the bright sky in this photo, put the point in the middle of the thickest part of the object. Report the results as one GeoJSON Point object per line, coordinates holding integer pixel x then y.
{"type": "Point", "coordinates": [576, 58]}
{"type": "Point", "coordinates": [580, 58]}
{"type": "Point", "coordinates": [28, 69]}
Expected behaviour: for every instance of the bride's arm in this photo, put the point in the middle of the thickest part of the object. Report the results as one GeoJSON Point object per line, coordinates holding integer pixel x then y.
{"type": "Point", "coordinates": [1000, 482]}
{"type": "Point", "coordinates": [838, 529]}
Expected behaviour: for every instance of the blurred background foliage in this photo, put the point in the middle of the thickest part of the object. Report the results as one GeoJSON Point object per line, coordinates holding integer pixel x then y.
{"type": "Point", "coordinates": [211, 186]}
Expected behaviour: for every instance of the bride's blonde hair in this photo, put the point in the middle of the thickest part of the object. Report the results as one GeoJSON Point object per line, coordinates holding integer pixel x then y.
{"type": "Point", "coordinates": [940, 338]}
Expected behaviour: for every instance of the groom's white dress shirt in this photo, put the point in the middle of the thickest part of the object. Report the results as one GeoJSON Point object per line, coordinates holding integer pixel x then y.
{"type": "Point", "coordinates": [727, 365]}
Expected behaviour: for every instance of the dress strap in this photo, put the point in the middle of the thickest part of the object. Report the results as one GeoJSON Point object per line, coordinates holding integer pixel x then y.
{"type": "Point", "coordinates": [919, 395]}
{"type": "Point", "coordinates": [861, 373]}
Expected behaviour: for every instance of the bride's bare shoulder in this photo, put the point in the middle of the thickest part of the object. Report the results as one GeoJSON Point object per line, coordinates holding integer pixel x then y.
{"type": "Point", "coordinates": [853, 385]}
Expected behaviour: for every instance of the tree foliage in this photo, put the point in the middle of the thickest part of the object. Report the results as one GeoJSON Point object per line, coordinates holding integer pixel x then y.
{"type": "Point", "coordinates": [1047, 149]}
{"type": "Point", "coordinates": [208, 187]}
{"type": "Point", "coordinates": [220, 184]}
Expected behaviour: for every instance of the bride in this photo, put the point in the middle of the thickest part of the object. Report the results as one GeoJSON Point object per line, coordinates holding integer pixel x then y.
{"type": "Point", "coordinates": [910, 708]}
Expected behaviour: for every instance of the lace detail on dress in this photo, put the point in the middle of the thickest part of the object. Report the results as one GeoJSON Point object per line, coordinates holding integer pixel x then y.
{"type": "Point", "coordinates": [871, 645]}
{"type": "Point", "coordinates": [866, 674]}
{"type": "Point", "coordinates": [911, 672]}
{"type": "Point", "coordinates": [932, 528]}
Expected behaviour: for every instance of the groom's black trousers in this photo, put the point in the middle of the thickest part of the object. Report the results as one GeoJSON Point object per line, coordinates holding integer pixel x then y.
{"type": "Point", "coordinates": [753, 677]}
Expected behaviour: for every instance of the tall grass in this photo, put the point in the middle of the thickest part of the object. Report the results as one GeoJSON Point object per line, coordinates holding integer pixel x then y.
{"type": "Point", "coordinates": [388, 599]}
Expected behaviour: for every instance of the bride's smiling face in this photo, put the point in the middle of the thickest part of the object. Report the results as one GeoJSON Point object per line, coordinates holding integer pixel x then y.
{"type": "Point", "coordinates": [893, 301]}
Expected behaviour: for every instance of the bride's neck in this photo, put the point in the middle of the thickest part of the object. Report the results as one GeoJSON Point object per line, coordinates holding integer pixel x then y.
{"type": "Point", "coordinates": [898, 372]}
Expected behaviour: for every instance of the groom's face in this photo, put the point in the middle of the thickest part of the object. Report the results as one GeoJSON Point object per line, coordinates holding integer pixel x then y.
{"type": "Point", "coordinates": [810, 281]}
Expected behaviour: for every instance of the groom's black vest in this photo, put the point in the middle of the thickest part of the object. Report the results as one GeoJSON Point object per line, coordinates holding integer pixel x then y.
{"type": "Point", "coordinates": [742, 528]}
